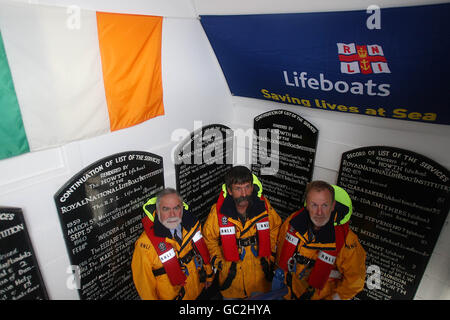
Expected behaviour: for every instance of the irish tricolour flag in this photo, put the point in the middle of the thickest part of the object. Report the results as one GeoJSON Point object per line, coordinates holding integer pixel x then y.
{"type": "Point", "coordinates": [69, 74]}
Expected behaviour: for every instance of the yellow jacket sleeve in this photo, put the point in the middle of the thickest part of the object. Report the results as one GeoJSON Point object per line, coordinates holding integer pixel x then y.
{"type": "Point", "coordinates": [351, 263]}
{"type": "Point", "coordinates": [211, 235]}
{"type": "Point", "coordinates": [281, 235]}
{"type": "Point", "coordinates": [275, 224]}
{"type": "Point", "coordinates": [141, 266]}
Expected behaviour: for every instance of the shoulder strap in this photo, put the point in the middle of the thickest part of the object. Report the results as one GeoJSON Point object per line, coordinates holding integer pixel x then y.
{"type": "Point", "coordinates": [289, 246]}
{"type": "Point", "coordinates": [340, 232]}
{"type": "Point", "coordinates": [166, 254]}
{"type": "Point", "coordinates": [325, 261]}
{"type": "Point", "coordinates": [227, 232]}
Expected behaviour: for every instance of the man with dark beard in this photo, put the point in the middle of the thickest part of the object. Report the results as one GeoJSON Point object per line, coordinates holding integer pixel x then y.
{"type": "Point", "coordinates": [241, 233]}
{"type": "Point", "coordinates": [170, 260]}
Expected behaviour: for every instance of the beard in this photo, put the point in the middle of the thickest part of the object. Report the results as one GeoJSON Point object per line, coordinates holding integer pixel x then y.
{"type": "Point", "coordinates": [239, 200]}
{"type": "Point", "coordinates": [170, 223]}
{"type": "Point", "coordinates": [320, 222]}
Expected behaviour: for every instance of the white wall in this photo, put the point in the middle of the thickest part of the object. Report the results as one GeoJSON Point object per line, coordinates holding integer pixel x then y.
{"type": "Point", "coordinates": [195, 90]}
{"type": "Point", "coordinates": [339, 132]}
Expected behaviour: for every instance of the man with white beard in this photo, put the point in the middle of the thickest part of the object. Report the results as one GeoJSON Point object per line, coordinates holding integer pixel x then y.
{"type": "Point", "coordinates": [170, 259]}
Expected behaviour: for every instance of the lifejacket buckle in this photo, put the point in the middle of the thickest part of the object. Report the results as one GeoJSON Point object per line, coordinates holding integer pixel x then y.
{"type": "Point", "coordinates": [292, 264]}
{"type": "Point", "coordinates": [306, 270]}
{"type": "Point", "coordinates": [198, 261]}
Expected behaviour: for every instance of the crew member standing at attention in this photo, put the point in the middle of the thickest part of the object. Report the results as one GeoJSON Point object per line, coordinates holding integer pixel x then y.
{"type": "Point", "coordinates": [319, 254]}
{"type": "Point", "coordinates": [241, 233]}
{"type": "Point", "coordinates": [170, 259]}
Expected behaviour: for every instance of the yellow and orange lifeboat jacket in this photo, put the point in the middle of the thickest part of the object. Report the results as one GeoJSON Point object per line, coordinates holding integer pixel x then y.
{"type": "Point", "coordinates": [243, 254]}
{"type": "Point", "coordinates": [319, 265]}
{"type": "Point", "coordinates": [165, 270]}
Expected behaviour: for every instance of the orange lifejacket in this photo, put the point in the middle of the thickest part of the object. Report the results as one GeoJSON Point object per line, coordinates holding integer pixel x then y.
{"type": "Point", "coordinates": [325, 261]}
{"type": "Point", "coordinates": [228, 233]}
{"type": "Point", "coordinates": [168, 256]}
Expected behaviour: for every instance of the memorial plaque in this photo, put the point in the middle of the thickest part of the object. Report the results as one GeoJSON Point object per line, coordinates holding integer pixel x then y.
{"type": "Point", "coordinates": [400, 202]}
{"type": "Point", "coordinates": [284, 162]}
{"type": "Point", "coordinates": [20, 278]}
{"type": "Point", "coordinates": [100, 211]}
{"type": "Point", "coordinates": [201, 162]}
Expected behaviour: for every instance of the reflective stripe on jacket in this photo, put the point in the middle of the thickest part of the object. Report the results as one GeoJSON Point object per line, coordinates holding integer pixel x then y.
{"type": "Point", "coordinates": [350, 263]}
{"type": "Point", "coordinates": [249, 277]}
{"type": "Point", "coordinates": [146, 263]}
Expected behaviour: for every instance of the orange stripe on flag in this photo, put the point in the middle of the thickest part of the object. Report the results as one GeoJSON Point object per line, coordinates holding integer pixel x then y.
{"type": "Point", "coordinates": [130, 49]}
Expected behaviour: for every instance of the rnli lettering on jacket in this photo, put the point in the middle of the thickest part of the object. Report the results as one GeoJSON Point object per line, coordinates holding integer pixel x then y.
{"type": "Point", "coordinates": [168, 256]}
{"type": "Point", "coordinates": [326, 259]}
{"type": "Point", "coordinates": [228, 234]}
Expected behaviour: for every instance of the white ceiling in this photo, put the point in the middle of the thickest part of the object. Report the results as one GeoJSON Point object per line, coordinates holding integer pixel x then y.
{"type": "Point", "coordinates": [205, 7]}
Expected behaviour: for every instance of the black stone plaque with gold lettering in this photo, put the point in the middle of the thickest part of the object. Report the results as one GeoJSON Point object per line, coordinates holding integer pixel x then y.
{"type": "Point", "coordinates": [100, 211]}
{"type": "Point", "coordinates": [201, 162]}
{"type": "Point", "coordinates": [400, 202]}
{"type": "Point", "coordinates": [284, 162]}
{"type": "Point", "coordinates": [20, 278]}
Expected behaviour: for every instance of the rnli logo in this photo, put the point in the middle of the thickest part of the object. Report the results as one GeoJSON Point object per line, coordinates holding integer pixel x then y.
{"type": "Point", "coordinates": [162, 246]}
{"type": "Point", "coordinates": [166, 256]}
{"type": "Point", "coordinates": [365, 59]}
{"type": "Point", "coordinates": [325, 257]}
{"type": "Point", "coordinates": [227, 231]}
{"type": "Point", "coordinates": [291, 239]}
{"type": "Point", "coordinates": [262, 225]}
{"type": "Point", "coordinates": [224, 221]}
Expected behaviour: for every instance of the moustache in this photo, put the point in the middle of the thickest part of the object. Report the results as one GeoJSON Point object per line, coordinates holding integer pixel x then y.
{"type": "Point", "coordinates": [240, 199]}
{"type": "Point", "coordinates": [171, 223]}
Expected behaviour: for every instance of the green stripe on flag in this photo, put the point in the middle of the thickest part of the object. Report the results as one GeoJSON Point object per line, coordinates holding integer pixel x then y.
{"type": "Point", "coordinates": [13, 139]}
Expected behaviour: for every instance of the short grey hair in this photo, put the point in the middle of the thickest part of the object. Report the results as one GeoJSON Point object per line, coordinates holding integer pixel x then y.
{"type": "Point", "coordinates": [319, 185]}
{"type": "Point", "coordinates": [166, 192]}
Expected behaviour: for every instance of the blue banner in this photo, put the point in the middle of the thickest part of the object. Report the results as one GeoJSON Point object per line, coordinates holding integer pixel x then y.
{"type": "Point", "coordinates": [391, 63]}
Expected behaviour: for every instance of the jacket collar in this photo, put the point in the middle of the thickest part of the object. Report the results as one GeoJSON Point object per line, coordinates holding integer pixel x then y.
{"type": "Point", "coordinates": [304, 226]}
{"type": "Point", "coordinates": [257, 207]}
{"type": "Point", "coordinates": [188, 221]}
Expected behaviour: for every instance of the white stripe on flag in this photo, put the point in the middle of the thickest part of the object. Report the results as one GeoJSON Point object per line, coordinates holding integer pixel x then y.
{"type": "Point", "coordinates": [350, 67]}
{"type": "Point", "coordinates": [57, 73]}
{"type": "Point", "coordinates": [380, 67]}
{"type": "Point", "coordinates": [346, 49]}
{"type": "Point", "coordinates": [375, 50]}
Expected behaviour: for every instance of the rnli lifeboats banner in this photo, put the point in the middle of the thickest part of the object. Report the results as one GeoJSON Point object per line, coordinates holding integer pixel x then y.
{"type": "Point", "coordinates": [69, 74]}
{"type": "Point", "coordinates": [388, 63]}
